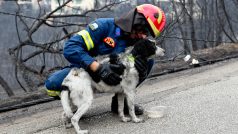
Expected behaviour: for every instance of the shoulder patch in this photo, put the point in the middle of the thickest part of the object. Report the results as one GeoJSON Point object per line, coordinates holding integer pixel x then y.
{"type": "Point", "coordinates": [93, 26]}
{"type": "Point", "coordinates": [109, 41]}
{"type": "Point", "coordinates": [118, 31]}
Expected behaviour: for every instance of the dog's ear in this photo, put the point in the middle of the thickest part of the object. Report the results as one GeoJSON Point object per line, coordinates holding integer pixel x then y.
{"type": "Point", "coordinates": [144, 48]}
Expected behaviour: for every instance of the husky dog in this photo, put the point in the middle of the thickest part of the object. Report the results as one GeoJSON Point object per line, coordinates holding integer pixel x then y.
{"type": "Point", "coordinates": [79, 86]}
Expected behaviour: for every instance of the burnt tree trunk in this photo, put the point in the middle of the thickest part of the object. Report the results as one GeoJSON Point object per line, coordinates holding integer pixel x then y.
{"type": "Point", "coordinates": [5, 86]}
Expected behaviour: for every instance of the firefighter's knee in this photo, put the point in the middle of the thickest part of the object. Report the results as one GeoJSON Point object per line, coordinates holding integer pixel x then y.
{"type": "Point", "coordinates": [55, 80]}
{"type": "Point", "coordinates": [52, 84]}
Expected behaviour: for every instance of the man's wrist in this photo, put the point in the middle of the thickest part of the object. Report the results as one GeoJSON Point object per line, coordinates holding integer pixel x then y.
{"type": "Point", "coordinates": [94, 66]}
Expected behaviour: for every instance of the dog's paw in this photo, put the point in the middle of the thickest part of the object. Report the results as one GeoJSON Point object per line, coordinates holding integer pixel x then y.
{"type": "Point", "coordinates": [68, 125]}
{"type": "Point", "coordinates": [126, 119]}
{"type": "Point", "coordinates": [67, 115]}
{"type": "Point", "coordinates": [137, 120]}
{"type": "Point", "coordinates": [83, 132]}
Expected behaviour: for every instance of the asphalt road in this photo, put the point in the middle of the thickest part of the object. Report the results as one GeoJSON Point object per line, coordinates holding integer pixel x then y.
{"type": "Point", "coordinates": [199, 101]}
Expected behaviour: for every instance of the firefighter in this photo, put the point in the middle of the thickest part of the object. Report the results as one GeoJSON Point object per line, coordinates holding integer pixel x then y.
{"type": "Point", "coordinates": [107, 36]}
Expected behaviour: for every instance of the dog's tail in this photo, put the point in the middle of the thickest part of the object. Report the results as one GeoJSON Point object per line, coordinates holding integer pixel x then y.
{"type": "Point", "coordinates": [66, 103]}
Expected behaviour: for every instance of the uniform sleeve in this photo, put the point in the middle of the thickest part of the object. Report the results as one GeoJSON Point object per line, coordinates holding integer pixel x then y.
{"type": "Point", "coordinates": [76, 51]}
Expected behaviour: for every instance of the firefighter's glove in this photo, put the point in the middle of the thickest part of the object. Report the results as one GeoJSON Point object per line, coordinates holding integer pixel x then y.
{"type": "Point", "coordinates": [114, 59]}
{"type": "Point", "coordinates": [107, 73]}
{"type": "Point", "coordinates": [141, 67]}
{"type": "Point", "coordinates": [120, 68]}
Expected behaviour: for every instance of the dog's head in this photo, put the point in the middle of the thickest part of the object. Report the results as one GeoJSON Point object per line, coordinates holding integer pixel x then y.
{"type": "Point", "coordinates": [146, 48]}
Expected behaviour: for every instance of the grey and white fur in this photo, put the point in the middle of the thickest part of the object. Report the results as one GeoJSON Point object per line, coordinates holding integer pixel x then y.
{"type": "Point", "coordinates": [80, 89]}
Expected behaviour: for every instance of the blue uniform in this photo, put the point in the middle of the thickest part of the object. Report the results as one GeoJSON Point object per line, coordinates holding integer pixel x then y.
{"type": "Point", "coordinates": [100, 37]}
{"type": "Point", "coordinates": [102, 32]}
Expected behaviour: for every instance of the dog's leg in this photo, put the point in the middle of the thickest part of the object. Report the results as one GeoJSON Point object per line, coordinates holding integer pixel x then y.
{"type": "Point", "coordinates": [75, 119]}
{"type": "Point", "coordinates": [130, 97]}
{"type": "Point", "coordinates": [121, 98]}
{"type": "Point", "coordinates": [66, 121]}
{"type": "Point", "coordinates": [68, 114]}
{"type": "Point", "coordinates": [83, 101]}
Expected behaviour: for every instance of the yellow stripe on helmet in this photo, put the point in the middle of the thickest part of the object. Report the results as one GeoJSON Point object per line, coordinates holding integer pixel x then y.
{"type": "Point", "coordinates": [87, 39]}
{"type": "Point", "coordinates": [155, 30]}
{"type": "Point", "coordinates": [160, 16]}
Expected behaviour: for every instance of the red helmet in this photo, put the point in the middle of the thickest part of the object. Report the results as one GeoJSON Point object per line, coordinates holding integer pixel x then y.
{"type": "Point", "coordinates": [154, 16]}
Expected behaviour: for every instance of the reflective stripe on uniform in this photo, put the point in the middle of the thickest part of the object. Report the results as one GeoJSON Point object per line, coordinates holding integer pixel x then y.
{"type": "Point", "coordinates": [87, 39]}
{"type": "Point", "coordinates": [53, 93]}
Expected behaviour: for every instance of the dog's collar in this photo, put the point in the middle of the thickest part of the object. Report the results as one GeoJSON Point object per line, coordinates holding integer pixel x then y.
{"type": "Point", "coordinates": [131, 58]}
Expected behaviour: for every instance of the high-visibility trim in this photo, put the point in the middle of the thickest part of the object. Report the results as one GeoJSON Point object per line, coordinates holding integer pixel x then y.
{"type": "Point", "coordinates": [53, 93]}
{"type": "Point", "coordinates": [154, 28]}
{"type": "Point", "coordinates": [87, 39]}
{"type": "Point", "coordinates": [131, 58]}
{"type": "Point", "coordinates": [160, 16]}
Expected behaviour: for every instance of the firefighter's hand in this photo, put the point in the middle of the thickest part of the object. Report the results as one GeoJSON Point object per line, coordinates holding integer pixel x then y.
{"type": "Point", "coordinates": [107, 73]}
{"type": "Point", "coordinates": [114, 59]}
